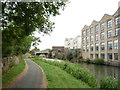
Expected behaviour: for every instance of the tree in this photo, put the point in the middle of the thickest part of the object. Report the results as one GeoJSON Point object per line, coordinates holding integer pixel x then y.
{"type": "Point", "coordinates": [69, 56]}
{"type": "Point", "coordinates": [21, 19]}
{"type": "Point", "coordinates": [50, 54]}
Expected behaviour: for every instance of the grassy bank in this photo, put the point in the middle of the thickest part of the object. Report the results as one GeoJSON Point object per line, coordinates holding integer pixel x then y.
{"type": "Point", "coordinates": [58, 78]}
{"type": "Point", "coordinates": [14, 71]}
{"type": "Point", "coordinates": [74, 70]}
{"type": "Point", "coordinates": [109, 82]}
{"type": "Point", "coordinates": [82, 74]}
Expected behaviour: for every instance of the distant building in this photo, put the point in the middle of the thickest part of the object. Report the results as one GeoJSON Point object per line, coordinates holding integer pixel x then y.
{"type": "Point", "coordinates": [57, 50]}
{"type": "Point", "coordinates": [102, 39]}
{"type": "Point", "coordinates": [68, 43]}
{"type": "Point", "coordinates": [73, 43]}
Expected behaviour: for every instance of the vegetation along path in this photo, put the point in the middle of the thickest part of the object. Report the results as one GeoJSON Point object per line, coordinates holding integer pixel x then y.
{"type": "Point", "coordinates": [32, 79]}
{"type": "Point", "coordinates": [58, 78]}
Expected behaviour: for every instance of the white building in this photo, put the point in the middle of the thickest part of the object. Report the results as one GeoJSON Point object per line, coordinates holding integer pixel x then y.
{"type": "Point", "coordinates": [68, 43]}
{"type": "Point", "coordinates": [73, 43]}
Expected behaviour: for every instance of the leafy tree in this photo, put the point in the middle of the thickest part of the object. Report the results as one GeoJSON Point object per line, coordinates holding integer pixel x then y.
{"type": "Point", "coordinates": [69, 56]}
{"type": "Point", "coordinates": [21, 19]}
{"type": "Point", "coordinates": [75, 53]}
{"type": "Point", "coordinates": [50, 54]}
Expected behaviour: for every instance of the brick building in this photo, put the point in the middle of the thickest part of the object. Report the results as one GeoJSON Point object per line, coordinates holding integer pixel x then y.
{"type": "Point", "coordinates": [102, 38]}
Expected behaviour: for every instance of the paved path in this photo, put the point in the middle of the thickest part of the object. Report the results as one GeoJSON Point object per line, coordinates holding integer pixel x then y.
{"type": "Point", "coordinates": [32, 78]}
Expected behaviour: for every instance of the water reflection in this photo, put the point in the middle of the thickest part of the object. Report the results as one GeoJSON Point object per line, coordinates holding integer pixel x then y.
{"type": "Point", "coordinates": [102, 71]}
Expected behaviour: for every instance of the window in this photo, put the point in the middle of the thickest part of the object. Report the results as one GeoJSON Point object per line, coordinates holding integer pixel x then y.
{"type": "Point", "coordinates": [103, 56]}
{"type": "Point", "coordinates": [117, 31]}
{"type": "Point", "coordinates": [109, 23]}
{"type": "Point", "coordinates": [102, 36]}
{"type": "Point", "coordinates": [96, 55]}
{"type": "Point", "coordinates": [116, 56]}
{"type": "Point", "coordinates": [96, 28]}
{"type": "Point", "coordinates": [96, 37]}
{"type": "Point", "coordinates": [117, 20]}
{"type": "Point", "coordinates": [83, 48]}
{"type": "Point", "coordinates": [102, 26]}
{"type": "Point", "coordinates": [92, 38]}
{"type": "Point", "coordinates": [87, 39]}
{"type": "Point", "coordinates": [102, 46]}
{"type": "Point", "coordinates": [109, 33]}
{"type": "Point", "coordinates": [109, 56]}
{"type": "Point", "coordinates": [84, 33]}
{"type": "Point", "coordinates": [110, 45]}
{"type": "Point", "coordinates": [83, 40]}
{"type": "Point", "coordinates": [116, 44]}
{"type": "Point", "coordinates": [91, 47]}
{"type": "Point", "coordinates": [92, 30]}
{"type": "Point", "coordinates": [87, 32]}
{"type": "Point", "coordinates": [96, 47]}
{"type": "Point", "coordinates": [87, 48]}
{"type": "Point", "coordinates": [91, 56]}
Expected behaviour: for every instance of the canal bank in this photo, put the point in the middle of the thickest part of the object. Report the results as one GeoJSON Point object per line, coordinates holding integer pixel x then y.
{"type": "Point", "coordinates": [99, 71]}
{"type": "Point", "coordinates": [115, 63]}
{"type": "Point", "coordinates": [102, 71]}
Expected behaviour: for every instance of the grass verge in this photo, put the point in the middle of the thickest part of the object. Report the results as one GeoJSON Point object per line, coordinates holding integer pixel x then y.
{"type": "Point", "coordinates": [58, 78]}
{"type": "Point", "coordinates": [109, 82]}
{"type": "Point", "coordinates": [14, 71]}
{"type": "Point", "coordinates": [84, 75]}
{"type": "Point", "coordinates": [74, 70]}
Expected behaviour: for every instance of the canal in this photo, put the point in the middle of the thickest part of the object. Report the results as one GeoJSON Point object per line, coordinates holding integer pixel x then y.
{"type": "Point", "coordinates": [101, 71]}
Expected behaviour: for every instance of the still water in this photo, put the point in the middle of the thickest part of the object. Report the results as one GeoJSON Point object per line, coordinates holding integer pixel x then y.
{"type": "Point", "coordinates": [101, 71]}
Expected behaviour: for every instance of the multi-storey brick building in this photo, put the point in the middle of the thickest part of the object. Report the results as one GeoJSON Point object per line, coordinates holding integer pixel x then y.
{"type": "Point", "coordinates": [102, 39]}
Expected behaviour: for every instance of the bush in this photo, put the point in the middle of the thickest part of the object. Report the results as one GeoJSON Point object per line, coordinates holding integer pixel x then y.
{"type": "Point", "coordinates": [99, 61]}
{"type": "Point", "coordinates": [42, 56]}
{"type": "Point", "coordinates": [76, 71]}
{"type": "Point", "coordinates": [50, 54]}
{"type": "Point", "coordinates": [109, 83]}
{"type": "Point", "coordinates": [60, 56]}
{"type": "Point", "coordinates": [88, 60]}
{"type": "Point", "coordinates": [80, 57]}
{"type": "Point", "coordinates": [69, 56]}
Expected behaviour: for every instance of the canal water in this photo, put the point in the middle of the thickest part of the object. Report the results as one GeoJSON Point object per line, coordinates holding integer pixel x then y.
{"type": "Point", "coordinates": [101, 71]}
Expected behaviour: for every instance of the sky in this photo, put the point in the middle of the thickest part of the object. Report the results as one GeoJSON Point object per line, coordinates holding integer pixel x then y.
{"type": "Point", "coordinates": [71, 21]}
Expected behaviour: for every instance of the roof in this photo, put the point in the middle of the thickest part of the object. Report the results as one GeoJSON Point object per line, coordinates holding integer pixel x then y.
{"type": "Point", "coordinates": [57, 46]}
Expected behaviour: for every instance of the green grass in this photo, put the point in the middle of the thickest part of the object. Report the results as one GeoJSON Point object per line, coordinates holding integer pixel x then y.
{"type": "Point", "coordinates": [109, 82]}
{"type": "Point", "coordinates": [58, 78]}
{"type": "Point", "coordinates": [14, 71]}
{"type": "Point", "coordinates": [83, 75]}
{"type": "Point", "coordinates": [74, 70]}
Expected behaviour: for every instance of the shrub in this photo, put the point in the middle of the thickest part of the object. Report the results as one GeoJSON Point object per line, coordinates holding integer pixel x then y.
{"type": "Point", "coordinates": [76, 71]}
{"type": "Point", "coordinates": [50, 54]}
{"type": "Point", "coordinates": [80, 57]}
{"type": "Point", "coordinates": [109, 82]}
{"type": "Point", "coordinates": [69, 56]}
{"type": "Point", "coordinates": [42, 56]}
{"type": "Point", "coordinates": [88, 60]}
{"type": "Point", "coordinates": [60, 56]}
{"type": "Point", "coordinates": [99, 61]}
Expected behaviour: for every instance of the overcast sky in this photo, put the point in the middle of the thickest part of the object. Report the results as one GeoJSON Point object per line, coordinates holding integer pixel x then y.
{"type": "Point", "coordinates": [71, 21]}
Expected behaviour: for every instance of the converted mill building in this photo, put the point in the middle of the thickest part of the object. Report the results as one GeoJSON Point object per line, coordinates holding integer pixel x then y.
{"type": "Point", "coordinates": [102, 38]}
